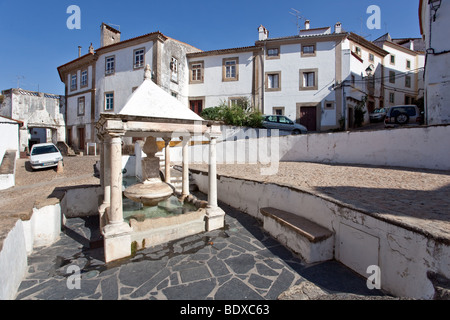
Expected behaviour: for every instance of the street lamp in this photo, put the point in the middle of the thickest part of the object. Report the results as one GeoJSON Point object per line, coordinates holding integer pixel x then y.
{"type": "Point", "coordinates": [435, 5]}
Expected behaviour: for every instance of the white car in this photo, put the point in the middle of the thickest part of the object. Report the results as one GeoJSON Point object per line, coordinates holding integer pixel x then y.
{"type": "Point", "coordinates": [44, 155]}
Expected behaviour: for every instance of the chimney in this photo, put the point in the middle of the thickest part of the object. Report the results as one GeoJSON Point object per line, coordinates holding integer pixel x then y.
{"type": "Point", "coordinates": [79, 51]}
{"type": "Point", "coordinates": [91, 49]}
{"type": "Point", "coordinates": [263, 33]}
{"type": "Point", "coordinates": [307, 24]}
{"type": "Point", "coordinates": [411, 45]}
{"type": "Point", "coordinates": [109, 35]}
{"type": "Point", "coordinates": [338, 28]}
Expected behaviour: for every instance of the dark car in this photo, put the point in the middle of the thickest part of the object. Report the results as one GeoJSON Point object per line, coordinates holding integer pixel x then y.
{"type": "Point", "coordinates": [402, 115]}
{"type": "Point", "coordinates": [283, 123]}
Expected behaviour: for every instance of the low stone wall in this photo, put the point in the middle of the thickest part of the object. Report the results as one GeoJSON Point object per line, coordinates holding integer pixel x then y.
{"type": "Point", "coordinates": [42, 227]}
{"type": "Point", "coordinates": [412, 147]}
{"type": "Point", "coordinates": [404, 255]}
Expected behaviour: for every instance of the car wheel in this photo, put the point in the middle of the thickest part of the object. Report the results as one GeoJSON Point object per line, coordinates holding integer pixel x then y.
{"type": "Point", "coordinates": [296, 132]}
{"type": "Point", "coordinates": [402, 118]}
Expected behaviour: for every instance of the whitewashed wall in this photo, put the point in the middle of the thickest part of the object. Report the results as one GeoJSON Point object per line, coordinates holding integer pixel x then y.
{"type": "Point", "coordinates": [213, 88]}
{"type": "Point", "coordinates": [124, 79]}
{"type": "Point", "coordinates": [361, 240]}
{"type": "Point", "coordinates": [413, 147]}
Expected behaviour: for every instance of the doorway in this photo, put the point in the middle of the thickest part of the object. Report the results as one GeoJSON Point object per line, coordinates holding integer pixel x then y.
{"type": "Point", "coordinates": [81, 139]}
{"type": "Point", "coordinates": [308, 118]}
{"type": "Point", "coordinates": [196, 106]}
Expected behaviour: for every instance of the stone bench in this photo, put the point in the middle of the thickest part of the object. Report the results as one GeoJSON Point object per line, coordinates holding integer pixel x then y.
{"type": "Point", "coordinates": [306, 238]}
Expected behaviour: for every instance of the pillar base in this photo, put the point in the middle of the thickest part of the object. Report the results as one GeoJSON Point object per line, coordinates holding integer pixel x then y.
{"type": "Point", "coordinates": [117, 241]}
{"type": "Point", "coordinates": [215, 218]}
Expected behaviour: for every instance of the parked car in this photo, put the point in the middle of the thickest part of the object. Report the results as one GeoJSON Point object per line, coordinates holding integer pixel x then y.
{"type": "Point", "coordinates": [44, 155]}
{"type": "Point", "coordinates": [283, 123]}
{"type": "Point", "coordinates": [401, 115]}
{"type": "Point", "coordinates": [378, 115]}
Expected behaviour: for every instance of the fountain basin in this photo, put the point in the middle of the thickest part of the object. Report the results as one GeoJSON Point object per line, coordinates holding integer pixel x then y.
{"type": "Point", "coordinates": [149, 193]}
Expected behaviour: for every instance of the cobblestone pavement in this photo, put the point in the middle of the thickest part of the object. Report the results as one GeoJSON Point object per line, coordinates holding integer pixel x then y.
{"type": "Point", "coordinates": [239, 262]}
{"type": "Point", "coordinates": [417, 198]}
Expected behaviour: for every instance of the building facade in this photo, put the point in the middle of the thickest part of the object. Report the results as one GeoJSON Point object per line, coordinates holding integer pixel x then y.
{"type": "Point", "coordinates": [42, 115]}
{"type": "Point", "coordinates": [317, 77]}
{"type": "Point", "coordinates": [434, 25]}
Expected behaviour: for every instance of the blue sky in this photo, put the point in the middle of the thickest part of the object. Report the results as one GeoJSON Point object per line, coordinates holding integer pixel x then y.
{"type": "Point", "coordinates": [35, 39]}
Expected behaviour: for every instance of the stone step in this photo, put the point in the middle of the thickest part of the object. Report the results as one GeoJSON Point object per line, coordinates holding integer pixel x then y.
{"type": "Point", "coordinates": [305, 237]}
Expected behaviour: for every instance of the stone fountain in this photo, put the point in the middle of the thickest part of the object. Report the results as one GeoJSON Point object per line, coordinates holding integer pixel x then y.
{"type": "Point", "coordinates": [152, 113]}
{"type": "Point", "coordinates": [152, 190]}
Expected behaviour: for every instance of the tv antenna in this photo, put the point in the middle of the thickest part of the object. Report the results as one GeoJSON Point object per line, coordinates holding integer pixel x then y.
{"type": "Point", "coordinates": [114, 25]}
{"type": "Point", "coordinates": [18, 81]}
{"type": "Point", "coordinates": [298, 17]}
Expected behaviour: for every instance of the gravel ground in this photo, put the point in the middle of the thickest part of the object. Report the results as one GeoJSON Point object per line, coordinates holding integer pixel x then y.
{"type": "Point", "coordinates": [418, 198]}
{"type": "Point", "coordinates": [34, 187]}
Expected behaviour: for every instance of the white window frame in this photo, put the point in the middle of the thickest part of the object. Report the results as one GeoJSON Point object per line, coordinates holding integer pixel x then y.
{"type": "Point", "coordinates": [81, 108]}
{"type": "Point", "coordinates": [84, 78]}
{"type": "Point", "coordinates": [174, 69]}
{"type": "Point", "coordinates": [139, 58]}
{"type": "Point", "coordinates": [109, 101]}
{"type": "Point", "coordinates": [73, 82]}
{"type": "Point", "coordinates": [110, 65]}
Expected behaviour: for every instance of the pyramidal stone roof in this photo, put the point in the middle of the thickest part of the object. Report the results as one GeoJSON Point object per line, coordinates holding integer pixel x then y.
{"type": "Point", "coordinates": [150, 100]}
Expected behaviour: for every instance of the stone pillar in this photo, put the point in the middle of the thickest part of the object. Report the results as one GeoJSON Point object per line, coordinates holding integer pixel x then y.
{"type": "Point", "coordinates": [167, 159]}
{"type": "Point", "coordinates": [215, 216]}
{"type": "Point", "coordinates": [105, 177]}
{"type": "Point", "coordinates": [116, 212]}
{"type": "Point", "coordinates": [212, 172]}
{"type": "Point", "coordinates": [185, 184]}
{"type": "Point", "coordinates": [117, 238]}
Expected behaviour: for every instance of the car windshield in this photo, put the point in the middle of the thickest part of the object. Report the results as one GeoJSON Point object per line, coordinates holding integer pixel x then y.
{"type": "Point", "coordinates": [43, 150]}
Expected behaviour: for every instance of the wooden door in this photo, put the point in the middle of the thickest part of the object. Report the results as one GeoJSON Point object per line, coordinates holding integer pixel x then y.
{"type": "Point", "coordinates": [196, 106]}
{"type": "Point", "coordinates": [308, 118]}
{"type": "Point", "coordinates": [81, 139]}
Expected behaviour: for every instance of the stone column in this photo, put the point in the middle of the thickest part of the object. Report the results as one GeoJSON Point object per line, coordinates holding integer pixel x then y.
{"type": "Point", "coordinates": [212, 172]}
{"type": "Point", "coordinates": [215, 216]}
{"type": "Point", "coordinates": [167, 159]}
{"type": "Point", "coordinates": [185, 184]}
{"type": "Point", "coordinates": [117, 238]}
{"type": "Point", "coordinates": [105, 176]}
{"type": "Point", "coordinates": [116, 212]}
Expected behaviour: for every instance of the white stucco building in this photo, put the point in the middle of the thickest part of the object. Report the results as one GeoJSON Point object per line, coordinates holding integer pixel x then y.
{"type": "Point", "coordinates": [42, 115]}
{"type": "Point", "coordinates": [316, 78]}
{"type": "Point", "coordinates": [434, 25]}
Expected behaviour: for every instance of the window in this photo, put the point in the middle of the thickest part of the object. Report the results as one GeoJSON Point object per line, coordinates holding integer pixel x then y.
{"type": "Point", "coordinates": [408, 81]}
{"type": "Point", "coordinates": [392, 76]}
{"type": "Point", "coordinates": [196, 70]}
{"type": "Point", "coordinates": [308, 50]}
{"type": "Point", "coordinates": [174, 69]}
{"type": "Point", "coordinates": [283, 119]}
{"type": "Point", "coordinates": [109, 101]}
{"type": "Point", "coordinates": [408, 64]}
{"type": "Point", "coordinates": [392, 60]}
{"type": "Point", "coordinates": [273, 53]}
{"type": "Point", "coordinates": [309, 79]}
{"type": "Point", "coordinates": [174, 94]}
{"type": "Point", "coordinates": [358, 51]}
{"type": "Point", "coordinates": [110, 65]}
{"type": "Point", "coordinates": [279, 111]}
{"type": "Point", "coordinates": [329, 105]}
{"type": "Point", "coordinates": [371, 57]}
{"type": "Point", "coordinates": [73, 82]}
{"type": "Point", "coordinates": [138, 60]}
{"type": "Point", "coordinates": [230, 69]}
{"type": "Point", "coordinates": [273, 81]}
{"type": "Point", "coordinates": [391, 97]}
{"type": "Point", "coordinates": [84, 78]}
{"type": "Point", "coordinates": [81, 106]}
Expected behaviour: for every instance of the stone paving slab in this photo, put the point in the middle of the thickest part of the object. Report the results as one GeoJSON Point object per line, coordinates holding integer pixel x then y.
{"type": "Point", "coordinates": [238, 262]}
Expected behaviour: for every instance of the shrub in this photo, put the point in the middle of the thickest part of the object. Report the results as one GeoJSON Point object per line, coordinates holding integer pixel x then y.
{"type": "Point", "coordinates": [240, 114]}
